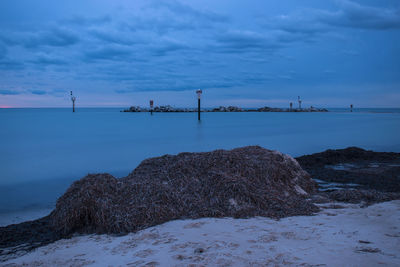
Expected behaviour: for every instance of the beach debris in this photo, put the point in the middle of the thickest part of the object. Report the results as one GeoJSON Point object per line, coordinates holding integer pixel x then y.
{"type": "Point", "coordinates": [241, 183]}
{"type": "Point", "coordinates": [366, 197]}
{"type": "Point", "coordinates": [368, 250]}
{"type": "Point", "coordinates": [199, 250]}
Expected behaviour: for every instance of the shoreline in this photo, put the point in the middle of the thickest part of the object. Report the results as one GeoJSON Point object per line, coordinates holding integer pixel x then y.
{"type": "Point", "coordinates": [361, 236]}
{"type": "Point", "coordinates": [21, 216]}
{"type": "Point", "coordinates": [343, 182]}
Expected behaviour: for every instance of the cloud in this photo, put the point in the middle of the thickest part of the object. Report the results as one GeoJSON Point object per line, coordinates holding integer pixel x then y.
{"type": "Point", "coordinates": [89, 21]}
{"type": "Point", "coordinates": [166, 46]}
{"type": "Point", "coordinates": [180, 9]}
{"type": "Point", "coordinates": [173, 46]}
{"type": "Point", "coordinates": [303, 22]}
{"type": "Point", "coordinates": [12, 92]}
{"type": "Point", "coordinates": [162, 17]}
{"type": "Point", "coordinates": [244, 41]}
{"type": "Point", "coordinates": [354, 15]}
{"type": "Point", "coordinates": [44, 60]}
{"type": "Point", "coordinates": [8, 92]}
{"type": "Point", "coordinates": [8, 64]}
{"type": "Point", "coordinates": [122, 91]}
{"type": "Point", "coordinates": [38, 92]}
{"type": "Point", "coordinates": [236, 41]}
{"type": "Point", "coordinates": [3, 51]}
{"type": "Point", "coordinates": [113, 53]}
{"type": "Point", "coordinates": [349, 15]}
{"type": "Point", "coordinates": [113, 37]}
{"type": "Point", "coordinates": [58, 37]}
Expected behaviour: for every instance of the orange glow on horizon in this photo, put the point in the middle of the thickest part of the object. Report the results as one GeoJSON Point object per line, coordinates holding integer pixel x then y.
{"type": "Point", "coordinates": [5, 107]}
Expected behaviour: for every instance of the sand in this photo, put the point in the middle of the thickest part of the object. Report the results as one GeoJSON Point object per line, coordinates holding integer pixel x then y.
{"type": "Point", "coordinates": [348, 236]}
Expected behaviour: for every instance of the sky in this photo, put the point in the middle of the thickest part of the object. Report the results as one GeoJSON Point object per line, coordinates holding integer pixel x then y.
{"type": "Point", "coordinates": [252, 53]}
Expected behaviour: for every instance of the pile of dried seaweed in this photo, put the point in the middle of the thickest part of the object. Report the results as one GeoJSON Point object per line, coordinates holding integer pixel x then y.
{"type": "Point", "coordinates": [243, 182]}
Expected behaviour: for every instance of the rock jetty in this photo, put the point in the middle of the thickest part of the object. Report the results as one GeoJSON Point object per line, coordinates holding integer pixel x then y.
{"type": "Point", "coordinates": [169, 108]}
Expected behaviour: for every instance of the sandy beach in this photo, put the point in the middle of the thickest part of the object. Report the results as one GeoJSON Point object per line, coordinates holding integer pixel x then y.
{"type": "Point", "coordinates": [339, 235]}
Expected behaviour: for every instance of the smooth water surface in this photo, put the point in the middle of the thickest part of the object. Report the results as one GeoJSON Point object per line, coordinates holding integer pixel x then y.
{"type": "Point", "coordinates": [44, 150]}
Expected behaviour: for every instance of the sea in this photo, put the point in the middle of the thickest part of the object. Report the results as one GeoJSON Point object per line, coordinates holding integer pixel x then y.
{"type": "Point", "coordinates": [43, 150]}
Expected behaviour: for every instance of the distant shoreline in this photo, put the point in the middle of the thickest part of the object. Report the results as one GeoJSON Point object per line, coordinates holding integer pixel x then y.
{"type": "Point", "coordinates": [169, 108]}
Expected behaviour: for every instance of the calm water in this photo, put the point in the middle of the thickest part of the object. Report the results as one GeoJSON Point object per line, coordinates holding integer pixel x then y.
{"type": "Point", "coordinates": [44, 150]}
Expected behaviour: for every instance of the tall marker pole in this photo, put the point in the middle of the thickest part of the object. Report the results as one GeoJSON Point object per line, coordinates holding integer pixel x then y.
{"type": "Point", "coordinates": [198, 102]}
{"type": "Point", "coordinates": [73, 98]}
{"type": "Point", "coordinates": [351, 108]}
{"type": "Point", "coordinates": [298, 99]}
{"type": "Point", "coordinates": [151, 107]}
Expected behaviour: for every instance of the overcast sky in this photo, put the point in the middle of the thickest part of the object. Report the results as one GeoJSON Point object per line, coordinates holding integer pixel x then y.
{"type": "Point", "coordinates": [251, 53]}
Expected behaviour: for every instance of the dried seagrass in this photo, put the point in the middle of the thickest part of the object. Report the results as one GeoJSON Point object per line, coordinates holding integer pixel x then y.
{"type": "Point", "coordinates": [241, 183]}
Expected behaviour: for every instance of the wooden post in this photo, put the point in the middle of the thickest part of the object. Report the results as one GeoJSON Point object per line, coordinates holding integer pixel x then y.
{"type": "Point", "coordinates": [351, 108]}
{"type": "Point", "coordinates": [73, 98]}
{"type": "Point", "coordinates": [291, 106]}
{"type": "Point", "coordinates": [298, 98]}
{"type": "Point", "coordinates": [151, 107]}
{"type": "Point", "coordinates": [198, 108]}
{"type": "Point", "coordinates": [198, 103]}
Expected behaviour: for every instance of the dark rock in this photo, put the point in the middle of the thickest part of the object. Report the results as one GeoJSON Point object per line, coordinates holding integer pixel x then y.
{"type": "Point", "coordinates": [369, 250]}
{"type": "Point", "coordinates": [199, 250]}
{"type": "Point", "coordinates": [372, 170]}
{"type": "Point", "coordinates": [168, 108]}
{"type": "Point", "coordinates": [23, 237]}
{"type": "Point", "coordinates": [227, 109]}
{"type": "Point", "coordinates": [359, 196]}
